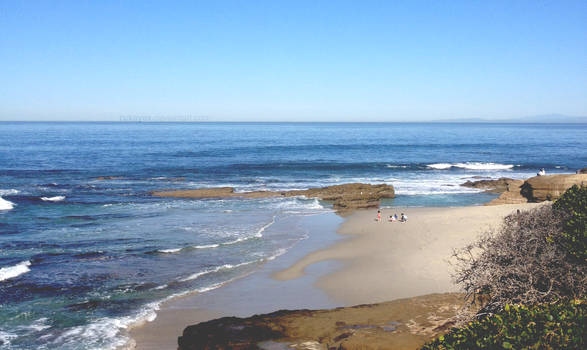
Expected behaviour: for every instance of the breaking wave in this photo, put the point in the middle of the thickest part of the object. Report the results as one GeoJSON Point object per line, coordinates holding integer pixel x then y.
{"type": "Point", "coordinates": [53, 199]}
{"type": "Point", "coordinates": [14, 271]}
{"type": "Point", "coordinates": [5, 205]}
{"type": "Point", "coordinates": [216, 269]}
{"type": "Point", "coordinates": [471, 166]}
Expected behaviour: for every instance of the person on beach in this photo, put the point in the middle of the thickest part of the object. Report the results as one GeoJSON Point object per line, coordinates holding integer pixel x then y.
{"type": "Point", "coordinates": [379, 215]}
{"type": "Point", "coordinates": [392, 218]}
{"type": "Point", "coordinates": [404, 218]}
{"type": "Point", "coordinates": [542, 172]}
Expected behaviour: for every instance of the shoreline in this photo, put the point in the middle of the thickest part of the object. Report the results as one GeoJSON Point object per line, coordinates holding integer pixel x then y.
{"type": "Point", "coordinates": [362, 262]}
{"type": "Point", "coordinates": [240, 297]}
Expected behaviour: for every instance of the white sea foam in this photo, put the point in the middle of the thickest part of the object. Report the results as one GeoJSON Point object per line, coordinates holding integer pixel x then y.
{"type": "Point", "coordinates": [211, 287]}
{"type": "Point", "coordinates": [53, 199]}
{"type": "Point", "coordinates": [104, 333]}
{"type": "Point", "coordinates": [177, 250]}
{"type": "Point", "coordinates": [5, 205]}
{"type": "Point", "coordinates": [279, 252]}
{"type": "Point", "coordinates": [440, 166]}
{"type": "Point", "coordinates": [216, 269]}
{"type": "Point", "coordinates": [471, 166]}
{"type": "Point", "coordinates": [37, 325]}
{"type": "Point", "coordinates": [9, 192]}
{"type": "Point", "coordinates": [299, 203]}
{"type": "Point", "coordinates": [169, 251]}
{"type": "Point", "coordinates": [14, 271]}
{"type": "Point", "coordinates": [206, 246]}
{"type": "Point", "coordinates": [6, 338]}
{"type": "Point", "coordinates": [259, 233]}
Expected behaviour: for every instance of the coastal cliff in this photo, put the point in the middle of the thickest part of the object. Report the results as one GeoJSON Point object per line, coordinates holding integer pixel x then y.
{"type": "Point", "coordinates": [343, 197]}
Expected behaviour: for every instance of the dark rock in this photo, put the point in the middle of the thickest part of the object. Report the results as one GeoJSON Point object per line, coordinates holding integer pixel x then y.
{"type": "Point", "coordinates": [499, 185]}
{"type": "Point", "coordinates": [342, 336]}
{"type": "Point", "coordinates": [228, 333]}
{"type": "Point", "coordinates": [582, 171]}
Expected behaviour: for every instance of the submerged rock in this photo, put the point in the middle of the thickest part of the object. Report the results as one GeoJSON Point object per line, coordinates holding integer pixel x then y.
{"type": "Point", "coordinates": [102, 178]}
{"type": "Point", "coordinates": [499, 185]}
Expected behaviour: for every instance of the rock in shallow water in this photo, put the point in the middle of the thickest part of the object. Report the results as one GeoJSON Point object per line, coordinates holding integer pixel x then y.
{"type": "Point", "coordinates": [344, 197]}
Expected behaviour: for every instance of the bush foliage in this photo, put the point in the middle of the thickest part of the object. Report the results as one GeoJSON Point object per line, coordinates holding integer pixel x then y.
{"type": "Point", "coordinates": [572, 207]}
{"type": "Point", "coordinates": [520, 264]}
{"type": "Point", "coordinates": [536, 258]}
{"type": "Point", "coordinates": [549, 326]}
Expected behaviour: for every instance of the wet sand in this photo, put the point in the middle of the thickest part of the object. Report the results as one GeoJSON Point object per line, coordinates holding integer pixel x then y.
{"type": "Point", "coordinates": [252, 294]}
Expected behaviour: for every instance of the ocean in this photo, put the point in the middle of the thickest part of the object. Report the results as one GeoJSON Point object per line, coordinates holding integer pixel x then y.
{"type": "Point", "coordinates": [86, 251]}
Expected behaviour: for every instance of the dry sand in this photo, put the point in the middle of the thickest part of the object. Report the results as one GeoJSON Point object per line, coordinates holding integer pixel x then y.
{"type": "Point", "coordinates": [390, 260]}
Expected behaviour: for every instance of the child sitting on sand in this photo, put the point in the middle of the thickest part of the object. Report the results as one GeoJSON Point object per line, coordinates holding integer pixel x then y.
{"type": "Point", "coordinates": [392, 218]}
{"type": "Point", "coordinates": [404, 218]}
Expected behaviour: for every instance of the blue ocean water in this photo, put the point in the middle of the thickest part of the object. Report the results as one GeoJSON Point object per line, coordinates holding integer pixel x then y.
{"type": "Point", "coordinates": [82, 257]}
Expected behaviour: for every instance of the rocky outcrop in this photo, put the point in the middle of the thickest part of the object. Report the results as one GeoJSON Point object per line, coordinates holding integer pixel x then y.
{"type": "Point", "coordinates": [343, 197]}
{"type": "Point", "coordinates": [582, 171]}
{"type": "Point", "coordinates": [499, 185]}
{"type": "Point", "coordinates": [549, 188]}
{"type": "Point", "coordinates": [399, 324]}
{"type": "Point", "coordinates": [538, 188]}
{"type": "Point", "coordinates": [350, 196]}
{"type": "Point", "coordinates": [511, 194]}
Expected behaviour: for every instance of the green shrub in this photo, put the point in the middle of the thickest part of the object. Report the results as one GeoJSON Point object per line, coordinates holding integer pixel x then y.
{"type": "Point", "coordinates": [572, 206]}
{"type": "Point", "coordinates": [547, 326]}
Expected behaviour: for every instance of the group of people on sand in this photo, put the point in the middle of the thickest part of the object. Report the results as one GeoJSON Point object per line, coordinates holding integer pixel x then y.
{"type": "Point", "coordinates": [393, 218]}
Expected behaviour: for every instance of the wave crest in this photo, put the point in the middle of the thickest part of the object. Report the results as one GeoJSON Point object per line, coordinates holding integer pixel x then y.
{"type": "Point", "coordinates": [5, 205]}
{"type": "Point", "coordinates": [53, 199]}
{"type": "Point", "coordinates": [471, 166]}
{"type": "Point", "coordinates": [9, 192]}
{"type": "Point", "coordinates": [216, 269]}
{"type": "Point", "coordinates": [14, 271]}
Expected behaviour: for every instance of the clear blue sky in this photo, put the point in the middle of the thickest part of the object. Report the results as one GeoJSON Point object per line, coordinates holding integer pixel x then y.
{"type": "Point", "coordinates": [292, 60]}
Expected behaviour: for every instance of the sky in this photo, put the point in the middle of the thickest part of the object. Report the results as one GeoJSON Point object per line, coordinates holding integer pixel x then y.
{"type": "Point", "coordinates": [292, 60]}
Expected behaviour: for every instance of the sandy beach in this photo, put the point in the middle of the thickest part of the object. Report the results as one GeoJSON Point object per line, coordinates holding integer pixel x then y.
{"type": "Point", "coordinates": [371, 262]}
{"type": "Point", "coordinates": [386, 261]}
